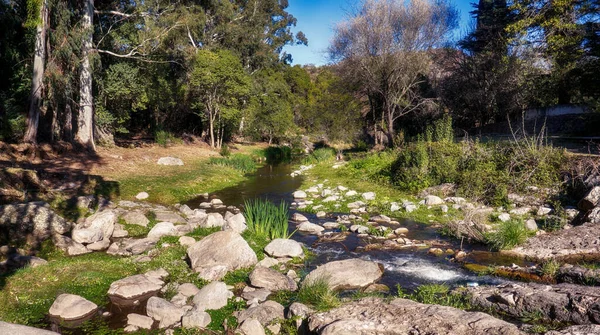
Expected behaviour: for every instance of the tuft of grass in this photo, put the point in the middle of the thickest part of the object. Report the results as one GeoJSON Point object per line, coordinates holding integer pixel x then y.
{"type": "Point", "coordinates": [436, 294]}
{"type": "Point", "coordinates": [267, 220]}
{"type": "Point", "coordinates": [319, 295]}
{"type": "Point", "coordinates": [240, 162]}
{"type": "Point", "coordinates": [550, 268]}
{"type": "Point", "coordinates": [509, 234]}
{"type": "Point", "coordinates": [320, 155]}
{"type": "Point", "coordinates": [203, 232]}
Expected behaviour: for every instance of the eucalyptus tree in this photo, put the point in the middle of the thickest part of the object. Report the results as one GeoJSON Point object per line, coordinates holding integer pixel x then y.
{"type": "Point", "coordinates": [384, 48]}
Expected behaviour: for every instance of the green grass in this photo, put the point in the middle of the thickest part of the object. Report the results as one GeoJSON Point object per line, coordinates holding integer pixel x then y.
{"type": "Point", "coordinates": [508, 235]}
{"type": "Point", "coordinates": [550, 268]}
{"type": "Point", "coordinates": [266, 219]}
{"type": "Point", "coordinates": [240, 162]}
{"type": "Point", "coordinates": [225, 315]}
{"type": "Point", "coordinates": [320, 155]}
{"type": "Point", "coordinates": [200, 232]}
{"type": "Point", "coordinates": [317, 294]}
{"type": "Point", "coordinates": [28, 293]}
{"type": "Point", "coordinates": [237, 276]}
{"type": "Point", "coordinates": [436, 294]}
{"type": "Point", "coordinates": [172, 259]}
{"type": "Point", "coordinates": [256, 242]}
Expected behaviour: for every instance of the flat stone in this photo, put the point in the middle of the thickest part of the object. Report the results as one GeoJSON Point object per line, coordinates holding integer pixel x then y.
{"type": "Point", "coordinates": [258, 295]}
{"type": "Point", "coordinates": [132, 246]}
{"type": "Point", "coordinates": [168, 216]}
{"type": "Point", "coordinates": [188, 289]}
{"type": "Point", "coordinates": [136, 218]}
{"type": "Point", "coordinates": [299, 195]}
{"type": "Point", "coordinates": [346, 274]}
{"type": "Point", "coordinates": [504, 217]}
{"type": "Point", "coordinates": [187, 241]}
{"type": "Point", "coordinates": [264, 313]}
{"type": "Point", "coordinates": [297, 217]}
{"type": "Point", "coordinates": [356, 205]}
{"type": "Point", "coordinates": [310, 228]}
{"type": "Point", "coordinates": [99, 246]}
{"type": "Point", "coordinates": [432, 200]}
{"type": "Point", "coordinates": [71, 307]}
{"type": "Point", "coordinates": [251, 327]}
{"type": "Point", "coordinates": [138, 287]}
{"type": "Point", "coordinates": [162, 229]}
{"type": "Point", "coordinates": [368, 196]}
{"type": "Point", "coordinates": [97, 227]}
{"type": "Point", "coordinates": [284, 248]}
{"type": "Point", "coordinates": [271, 280]}
{"type": "Point", "coordinates": [350, 194]}
{"type": "Point", "coordinates": [14, 329]}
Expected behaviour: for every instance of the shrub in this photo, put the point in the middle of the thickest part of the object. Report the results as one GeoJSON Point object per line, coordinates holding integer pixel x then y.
{"type": "Point", "coordinates": [225, 151]}
{"type": "Point", "coordinates": [164, 138]}
{"type": "Point", "coordinates": [509, 234]}
{"type": "Point", "coordinates": [267, 220]}
{"type": "Point", "coordinates": [320, 155]}
{"type": "Point", "coordinates": [317, 294]}
{"type": "Point", "coordinates": [239, 162]}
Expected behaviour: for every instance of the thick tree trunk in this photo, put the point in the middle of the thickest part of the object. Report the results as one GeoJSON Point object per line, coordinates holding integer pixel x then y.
{"type": "Point", "coordinates": [85, 118]}
{"type": "Point", "coordinates": [39, 61]}
{"type": "Point", "coordinates": [390, 131]}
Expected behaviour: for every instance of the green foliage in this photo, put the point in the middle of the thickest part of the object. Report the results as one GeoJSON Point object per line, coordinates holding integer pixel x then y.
{"type": "Point", "coordinates": [267, 220]}
{"type": "Point", "coordinates": [320, 155]}
{"type": "Point", "coordinates": [508, 235]}
{"type": "Point", "coordinates": [225, 151]}
{"type": "Point", "coordinates": [550, 268]}
{"type": "Point", "coordinates": [164, 138]}
{"type": "Point", "coordinates": [256, 242]}
{"type": "Point", "coordinates": [436, 294]}
{"type": "Point", "coordinates": [374, 167]}
{"type": "Point", "coordinates": [278, 154]}
{"type": "Point", "coordinates": [203, 232]}
{"type": "Point", "coordinates": [240, 162]}
{"type": "Point", "coordinates": [224, 316]}
{"type": "Point", "coordinates": [317, 294]}
{"type": "Point", "coordinates": [237, 276]}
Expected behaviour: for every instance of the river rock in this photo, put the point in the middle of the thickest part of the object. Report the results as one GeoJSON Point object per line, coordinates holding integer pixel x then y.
{"type": "Point", "coordinates": [172, 161]}
{"type": "Point", "coordinates": [594, 215]}
{"type": "Point", "coordinates": [218, 253]}
{"type": "Point", "coordinates": [583, 239]}
{"type": "Point", "coordinates": [351, 194]}
{"type": "Point", "coordinates": [162, 229]}
{"type": "Point", "coordinates": [168, 216]}
{"type": "Point", "coordinates": [331, 225]}
{"type": "Point", "coordinates": [310, 228]}
{"type": "Point", "coordinates": [563, 303]}
{"type": "Point", "coordinates": [432, 200]}
{"type": "Point", "coordinates": [591, 200]}
{"type": "Point", "coordinates": [394, 207]}
{"type": "Point", "coordinates": [187, 241]}
{"type": "Point", "coordinates": [271, 280]}
{"type": "Point", "coordinates": [346, 274]}
{"type": "Point", "coordinates": [69, 307]}
{"type": "Point", "coordinates": [237, 223]}
{"type": "Point", "coordinates": [212, 296]}
{"type": "Point", "coordinates": [359, 229]}
{"type": "Point", "coordinates": [280, 247]}
{"type": "Point", "coordinates": [251, 327]}
{"type": "Point", "coordinates": [402, 316]}
{"type": "Point", "coordinates": [14, 329]}
{"type": "Point", "coordinates": [131, 246]}
{"type": "Point", "coordinates": [504, 217]}
{"type": "Point", "coordinates": [71, 247]}
{"type": "Point", "coordinates": [300, 195]}
{"type": "Point", "coordinates": [368, 196]}
{"type": "Point", "coordinates": [380, 219]}
{"type": "Point", "coordinates": [140, 321]}
{"type": "Point", "coordinates": [35, 219]}
{"type": "Point", "coordinates": [356, 205]}
{"type": "Point", "coordinates": [297, 217]}
{"type": "Point", "coordinates": [520, 211]}
{"type": "Point", "coordinates": [164, 312]}
{"type": "Point", "coordinates": [531, 225]}
{"type": "Point", "coordinates": [188, 289]}
{"type": "Point", "coordinates": [136, 218]}
{"type": "Point", "coordinates": [264, 313]}
{"type": "Point", "coordinates": [138, 287]}
{"type": "Point", "coordinates": [195, 319]}
{"type": "Point", "coordinates": [95, 228]}
{"type": "Point", "coordinates": [255, 295]}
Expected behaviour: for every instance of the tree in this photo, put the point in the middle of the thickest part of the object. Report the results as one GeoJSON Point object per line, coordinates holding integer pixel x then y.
{"type": "Point", "coordinates": [39, 19]}
{"type": "Point", "coordinates": [84, 135]}
{"type": "Point", "coordinates": [383, 48]}
{"type": "Point", "coordinates": [220, 85]}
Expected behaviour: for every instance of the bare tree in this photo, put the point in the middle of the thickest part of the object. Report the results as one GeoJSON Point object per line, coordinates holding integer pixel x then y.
{"type": "Point", "coordinates": [383, 49]}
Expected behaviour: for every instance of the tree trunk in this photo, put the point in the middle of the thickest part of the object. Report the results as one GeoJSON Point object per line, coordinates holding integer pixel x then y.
{"type": "Point", "coordinates": [39, 61]}
{"type": "Point", "coordinates": [85, 119]}
{"type": "Point", "coordinates": [68, 124]}
{"type": "Point", "coordinates": [211, 130]}
{"type": "Point", "coordinates": [390, 131]}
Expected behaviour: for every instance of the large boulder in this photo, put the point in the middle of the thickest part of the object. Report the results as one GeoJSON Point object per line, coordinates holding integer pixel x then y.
{"type": "Point", "coordinates": [280, 247]}
{"type": "Point", "coordinates": [563, 303]}
{"type": "Point", "coordinates": [271, 280]}
{"type": "Point", "coordinates": [164, 312]}
{"type": "Point", "coordinates": [69, 307]}
{"type": "Point", "coordinates": [10, 328]}
{"type": "Point", "coordinates": [35, 219]}
{"type": "Point", "coordinates": [134, 288]}
{"type": "Point", "coordinates": [346, 274]}
{"type": "Point", "coordinates": [215, 255]}
{"type": "Point", "coordinates": [97, 227]}
{"type": "Point", "coordinates": [402, 316]}
{"type": "Point", "coordinates": [212, 296]}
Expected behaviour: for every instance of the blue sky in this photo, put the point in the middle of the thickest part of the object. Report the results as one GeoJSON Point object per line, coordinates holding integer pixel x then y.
{"type": "Point", "coordinates": [316, 18]}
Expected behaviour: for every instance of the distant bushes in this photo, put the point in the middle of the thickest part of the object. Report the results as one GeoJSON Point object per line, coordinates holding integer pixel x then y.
{"type": "Point", "coordinates": [240, 162]}
{"type": "Point", "coordinates": [320, 155]}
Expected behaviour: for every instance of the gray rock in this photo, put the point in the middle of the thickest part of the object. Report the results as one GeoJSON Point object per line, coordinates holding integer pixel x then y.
{"type": "Point", "coordinates": [577, 330]}
{"type": "Point", "coordinates": [271, 280]}
{"type": "Point", "coordinates": [394, 207]}
{"type": "Point", "coordinates": [71, 247]}
{"type": "Point", "coordinates": [520, 211]}
{"type": "Point", "coordinates": [321, 214]}
{"type": "Point", "coordinates": [268, 262]}
{"type": "Point", "coordinates": [300, 195]}
{"type": "Point", "coordinates": [359, 229]}
{"type": "Point", "coordinates": [142, 196]}
{"type": "Point", "coordinates": [258, 295]}
{"type": "Point", "coordinates": [119, 231]}
{"type": "Point", "coordinates": [213, 220]}
{"type": "Point", "coordinates": [236, 222]}
{"type": "Point", "coordinates": [531, 225]}
{"type": "Point", "coordinates": [251, 327]}
{"type": "Point", "coordinates": [455, 200]}
{"type": "Point", "coordinates": [186, 210]}
{"type": "Point", "coordinates": [552, 303]}
{"type": "Point", "coordinates": [368, 196]}
{"type": "Point", "coordinates": [95, 228]}
{"type": "Point", "coordinates": [591, 200]}
{"type": "Point", "coordinates": [402, 316]}
{"type": "Point", "coordinates": [14, 329]}
{"type": "Point", "coordinates": [187, 241]}
{"type": "Point", "coordinates": [432, 200]}
{"type": "Point", "coordinates": [351, 193]}
{"type": "Point", "coordinates": [164, 312]}
{"type": "Point", "coordinates": [297, 217]}
{"type": "Point", "coordinates": [220, 252]}
{"type": "Point", "coordinates": [380, 219]}
{"type": "Point", "coordinates": [409, 208]}
{"type": "Point", "coordinates": [216, 202]}
{"type": "Point", "coordinates": [299, 309]}
{"type": "Point", "coordinates": [195, 319]}
{"type": "Point", "coordinates": [543, 211]}
{"type": "Point", "coordinates": [71, 307]}
{"type": "Point", "coordinates": [99, 246]}
{"type": "Point", "coordinates": [264, 313]}
{"type": "Point", "coordinates": [168, 216]}
{"type": "Point", "coordinates": [594, 215]}
{"type": "Point", "coordinates": [31, 219]}
{"type": "Point", "coordinates": [140, 321]}
{"type": "Point", "coordinates": [346, 274]}
{"type": "Point", "coordinates": [188, 289]}
{"type": "Point", "coordinates": [504, 217]}
{"type": "Point", "coordinates": [356, 205]}
{"type": "Point", "coordinates": [280, 247]}
{"type": "Point", "coordinates": [162, 229]}
{"type": "Point", "coordinates": [331, 225]}
{"type": "Point", "coordinates": [136, 218]}
{"type": "Point", "coordinates": [212, 296]}
{"type": "Point", "coordinates": [131, 246]}
{"type": "Point", "coordinates": [310, 228]}
{"type": "Point", "coordinates": [138, 287]}
{"type": "Point", "coordinates": [172, 161]}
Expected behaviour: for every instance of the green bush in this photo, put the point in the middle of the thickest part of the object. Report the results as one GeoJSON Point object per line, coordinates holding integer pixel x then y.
{"type": "Point", "coordinates": [164, 138]}
{"type": "Point", "coordinates": [225, 151]}
{"type": "Point", "coordinates": [243, 163]}
{"type": "Point", "coordinates": [509, 234]}
{"type": "Point", "coordinates": [267, 220]}
{"type": "Point", "coordinates": [320, 155]}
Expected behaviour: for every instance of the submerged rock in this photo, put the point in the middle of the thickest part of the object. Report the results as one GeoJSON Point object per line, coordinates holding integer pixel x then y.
{"type": "Point", "coordinates": [346, 274]}
{"type": "Point", "coordinates": [401, 316]}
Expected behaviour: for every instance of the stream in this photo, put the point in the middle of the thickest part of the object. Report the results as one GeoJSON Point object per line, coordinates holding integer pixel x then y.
{"type": "Point", "coordinates": [408, 268]}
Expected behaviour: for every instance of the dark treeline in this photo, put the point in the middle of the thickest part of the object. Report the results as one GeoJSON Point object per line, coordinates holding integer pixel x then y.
{"type": "Point", "coordinates": [89, 71]}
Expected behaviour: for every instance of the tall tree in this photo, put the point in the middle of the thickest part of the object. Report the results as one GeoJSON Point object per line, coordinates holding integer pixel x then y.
{"type": "Point", "coordinates": [38, 18]}
{"type": "Point", "coordinates": [85, 117]}
{"type": "Point", "coordinates": [384, 46]}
